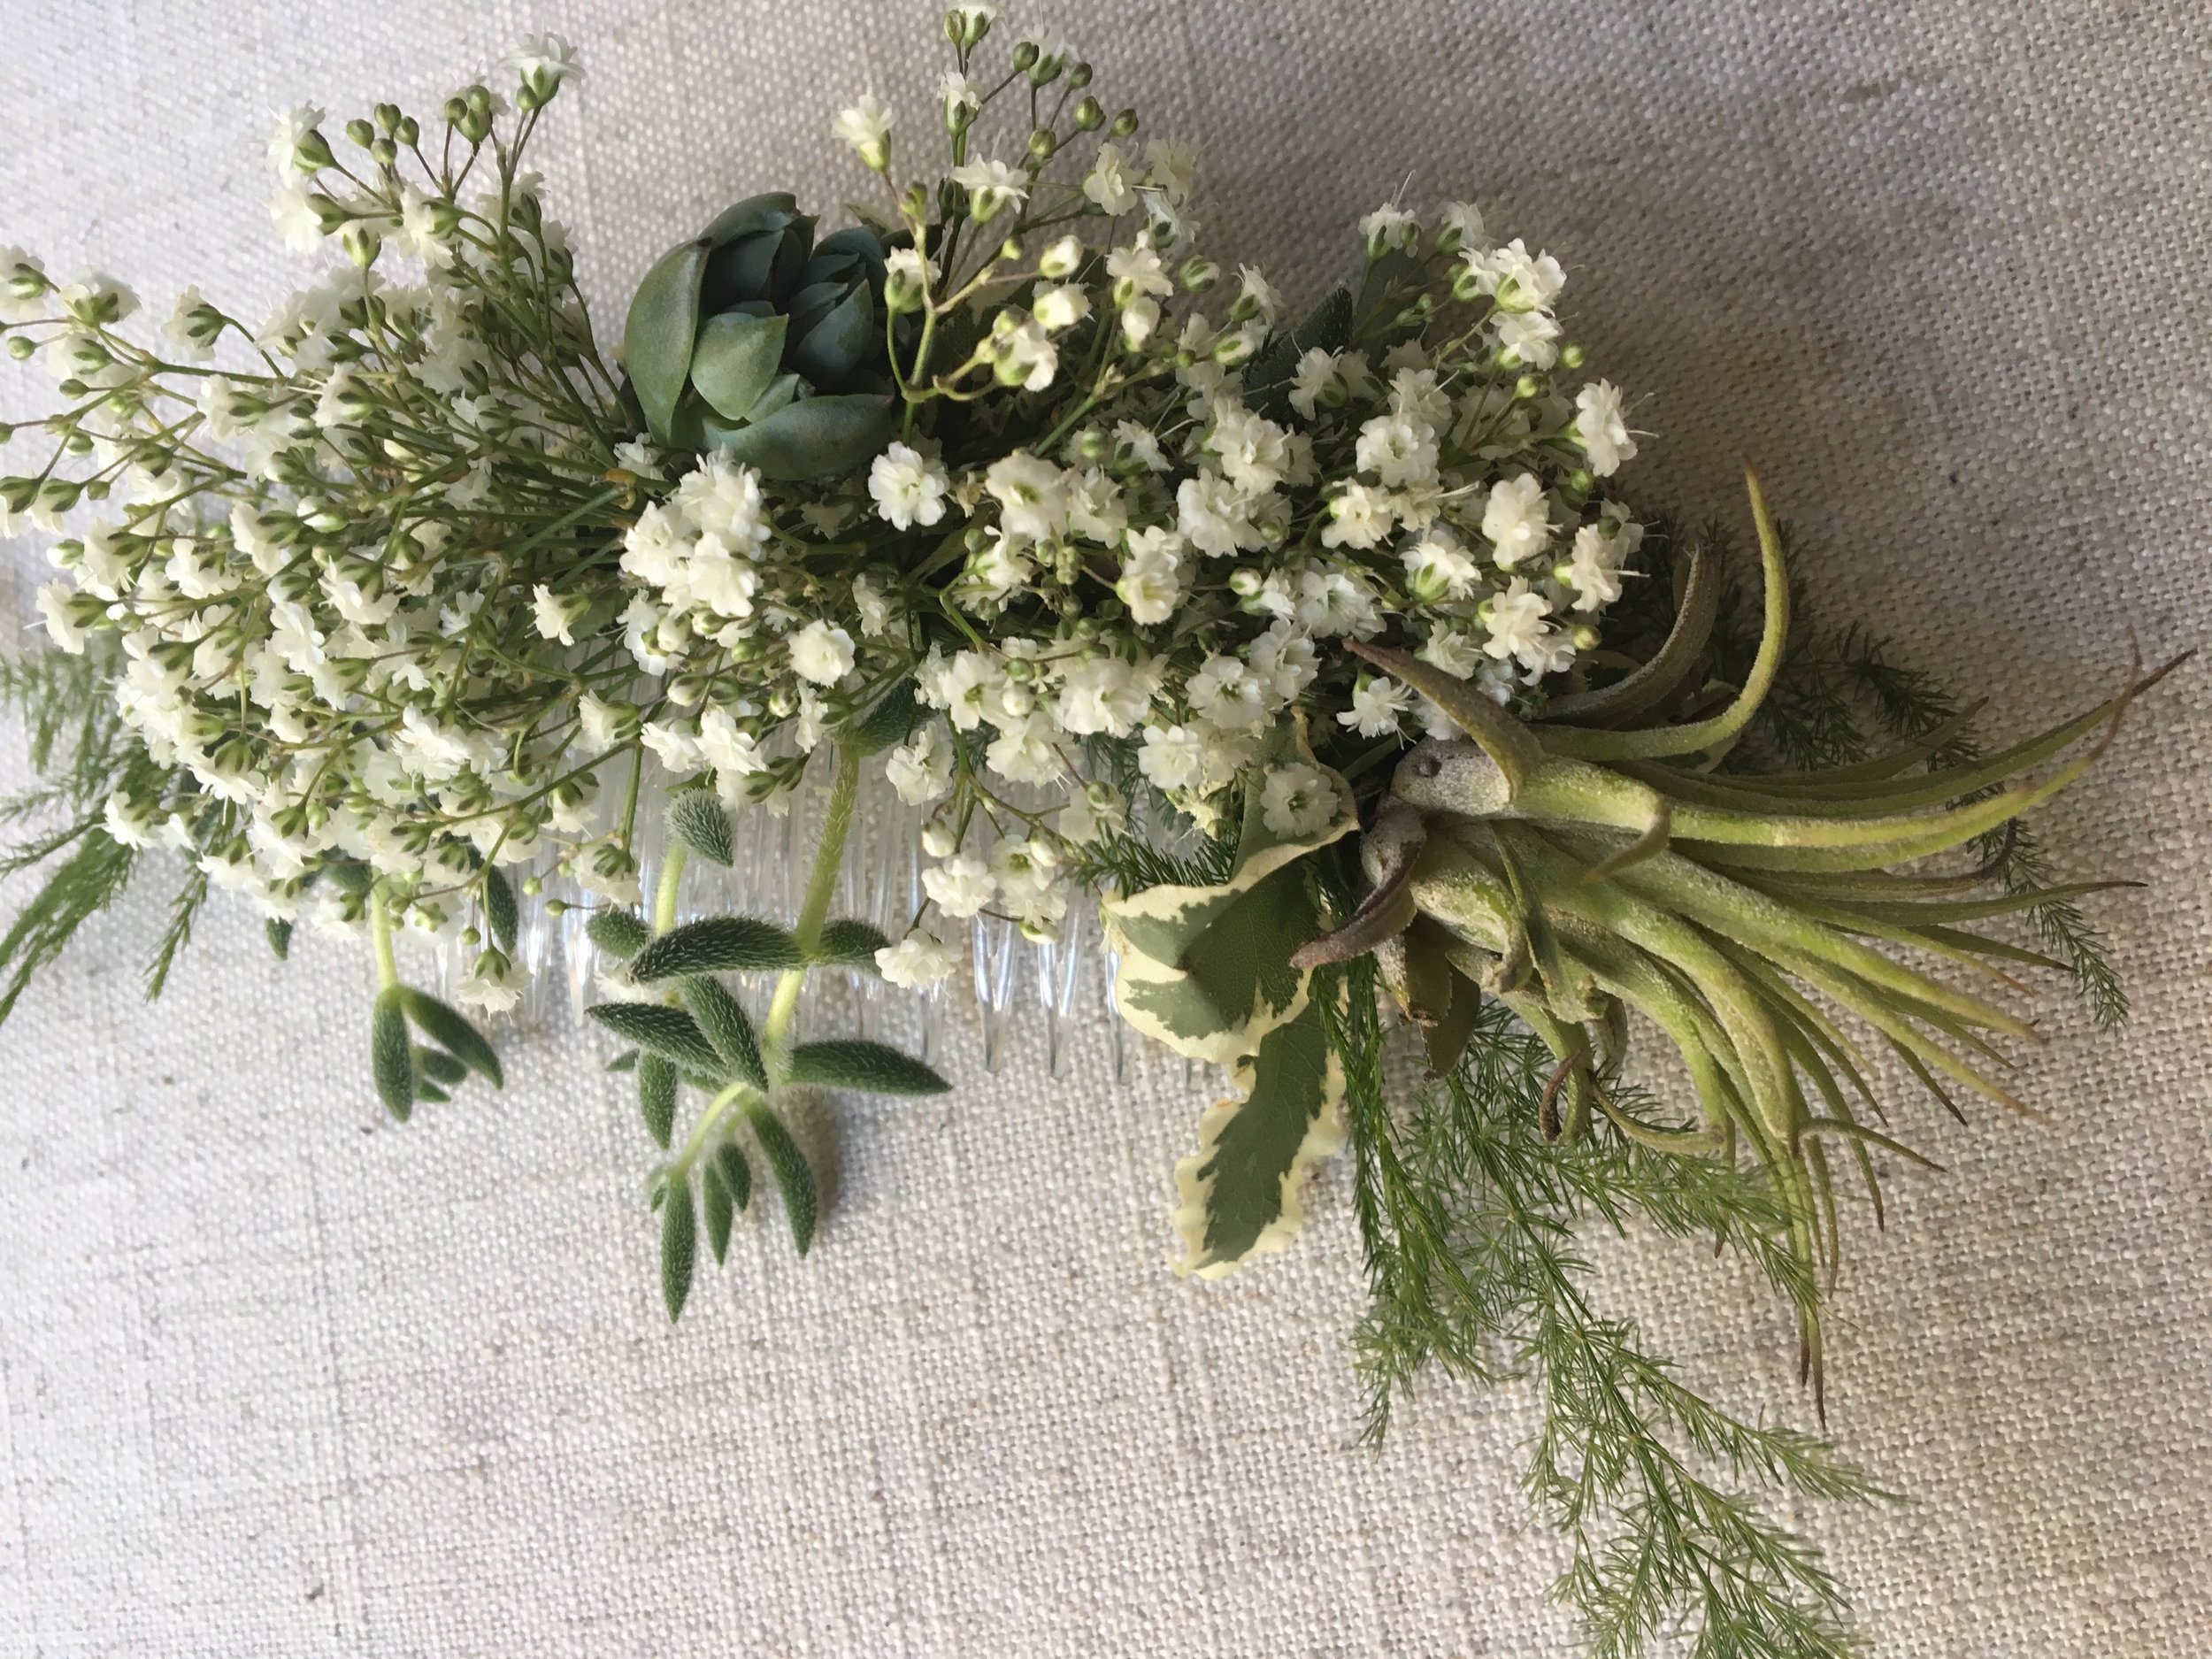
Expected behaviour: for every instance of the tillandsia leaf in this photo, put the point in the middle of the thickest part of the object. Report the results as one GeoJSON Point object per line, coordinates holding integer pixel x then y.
{"type": "Point", "coordinates": [656, 1096]}
{"type": "Point", "coordinates": [1722, 729]}
{"type": "Point", "coordinates": [1207, 969]}
{"type": "Point", "coordinates": [448, 1026]}
{"type": "Point", "coordinates": [500, 913]}
{"type": "Point", "coordinates": [723, 1022]}
{"type": "Point", "coordinates": [868, 1068]}
{"type": "Point", "coordinates": [679, 1247]}
{"type": "Point", "coordinates": [1512, 749]}
{"type": "Point", "coordinates": [620, 934]}
{"type": "Point", "coordinates": [848, 943]}
{"type": "Point", "coordinates": [718, 944]}
{"type": "Point", "coordinates": [391, 1057]}
{"type": "Point", "coordinates": [1387, 852]}
{"type": "Point", "coordinates": [794, 1180]}
{"type": "Point", "coordinates": [658, 1029]}
{"type": "Point", "coordinates": [1239, 1191]}
{"type": "Point", "coordinates": [886, 722]}
{"type": "Point", "coordinates": [1663, 674]}
{"type": "Point", "coordinates": [701, 825]}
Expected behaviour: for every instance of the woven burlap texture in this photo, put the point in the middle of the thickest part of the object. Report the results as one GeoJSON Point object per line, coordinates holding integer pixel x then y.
{"type": "Point", "coordinates": [279, 1378]}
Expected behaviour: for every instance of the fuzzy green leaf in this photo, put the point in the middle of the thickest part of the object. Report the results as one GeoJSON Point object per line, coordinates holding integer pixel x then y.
{"type": "Point", "coordinates": [737, 1174]}
{"type": "Point", "coordinates": [869, 1068]}
{"type": "Point", "coordinates": [698, 821]}
{"type": "Point", "coordinates": [679, 1247]}
{"type": "Point", "coordinates": [724, 1023]}
{"type": "Point", "coordinates": [847, 943]}
{"type": "Point", "coordinates": [499, 909]}
{"type": "Point", "coordinates": [656, 1096]}
{"type": "Point", "coordinates": [718, 944]}
{"type": "Point", "coordinates": [658, 1029]}
{"type": "Point", "coordinates": [617, 934]}
{"type": "Point", "coordinates": [626, 1061]}
{"type": "Point", "coordinates": [1240, 1189]}
{"type": "Point", "coordinates": [431, 1092]}
{"type": "Point", "coordinates": [390, 1055]}
{"type": "Point", "coordinates": [714, 1198]}
{"type": "Point", "coordinates": [448, 1026]}
{"type": "Point", "coordinates": [279, 936]}
{"type": "Point", "coordinates": [887, 722]}
{"type": "Point", "coordinates": [438, 1066]}
{"type": "Point", "coordinates": [662, 328]}
{"type": "Point", "coordinates": [793, 1179]}
{"type": "Point", "coordinates": [736, 357]}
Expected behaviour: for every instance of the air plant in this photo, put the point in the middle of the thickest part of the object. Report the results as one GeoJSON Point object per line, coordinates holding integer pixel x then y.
{"type": "Point", "coordinates": [1580, 867]}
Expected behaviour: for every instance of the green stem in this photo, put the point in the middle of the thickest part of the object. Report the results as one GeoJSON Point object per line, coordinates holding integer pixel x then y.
{"type": "Point", "coordinates": [814, 907]}
{"type": "Point", "coordinates": [664, 894]}
{"type": "Point", "coordinates": [380, 932]}
{"type": "Point", "coordinates": [696, 1141]}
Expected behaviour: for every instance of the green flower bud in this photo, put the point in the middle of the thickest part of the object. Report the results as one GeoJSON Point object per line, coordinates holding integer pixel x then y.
{"type": "Point", "coordinates": [1198, 275]}
{"type": "Point", "coordinates": [1043, 144]}
{"type": "Point", "coordinates": [1024, 57]}
{"type": "Point", "coordinates": [312, 153]}
{"type": "Point", "coordinates": [1090, 115]}
{"type": "Point", "coordinates": [1571, 357]}
{"type": "Point", "coordinates": [360, 132]}
{"type": "Point", "coordinates": [361, 244]}
{"type": "Point", "coordinates": [1125, 124]}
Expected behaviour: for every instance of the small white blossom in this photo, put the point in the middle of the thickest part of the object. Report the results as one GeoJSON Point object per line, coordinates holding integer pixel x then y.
{"type": "Point", "coordinates": [1298, 801]}
{"type": "Point", "coordinates": [1601, 428]}
{"type": "Point", "coordinates": [1516, 520]}
{"type": "Point", "coordinates": [866, 126]}
{"type": "Point", "coordinates": [907, 488]}
{"type": "Point", "coordinates": [1108, 184]}
{"type": "Point", "coordinates": [1378, 705]}
{"type": "Point", "coordinates": [991, 185]}
{"type": "Point", "coordinates": [960, 887]}
{"type": "Point", "coordinates": [917, 961]}
{"type": "Point", "coordinates": [822, 652]}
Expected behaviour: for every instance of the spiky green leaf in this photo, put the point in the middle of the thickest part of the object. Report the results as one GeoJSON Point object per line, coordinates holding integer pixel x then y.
{"type": "Point", "coordinates": [714, 1198]}
{"type": "Point", "coordinates": [717, 944]}
{"type": "Point", "coordinates": [391, 1057]}
{"type": "Point", "coordinates": [499, 909]}
{"type": "Point", "coordinates": [887, 722]}
{"type": "Point", "coordinates": [449, 1027]}
{"type": "Point", "coordinates": [847, 943]}
{"type": "Point", "coordinates": [699, 822]}
{"type": "Point", "coordinates": [617, 934]}
{"type": "Point", "coordinates": [723, 1020]}
{"type": "Point", "coordinates": [793, 1177]}
{"type": "Point", "coordinates": [658, 1029]}
{"type": "Point", "coordinates": [868, 1068]}
{"type": "Point", "coordinates": [737, 1174]}
{"type": "Point", "coordinates": [656, 1096]}
{"type": "Point", "coordinates": [679, 1247]}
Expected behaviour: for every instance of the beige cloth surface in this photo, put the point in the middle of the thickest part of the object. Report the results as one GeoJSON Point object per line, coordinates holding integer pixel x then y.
{"type": "Point", "coordinates": [277, 1379]}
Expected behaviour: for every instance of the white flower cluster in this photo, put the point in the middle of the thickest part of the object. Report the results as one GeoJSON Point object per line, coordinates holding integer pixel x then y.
{"type": "Point", "coordinates": [1196, 508]}
{"type": "Point", "coordinates": [395, 591]}
{"type": "Point", "coordinates": [342, 564]}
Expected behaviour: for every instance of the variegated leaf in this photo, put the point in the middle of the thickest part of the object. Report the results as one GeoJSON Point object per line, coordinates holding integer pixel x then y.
{"type": "Point", "coordinates": [1239, 1191]}
{"type": "Point", "coordinates": [1207, 969]}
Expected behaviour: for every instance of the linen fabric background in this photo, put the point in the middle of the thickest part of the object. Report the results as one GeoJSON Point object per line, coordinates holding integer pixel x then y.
{"type": "Point", "coordinates": [279, 1378]}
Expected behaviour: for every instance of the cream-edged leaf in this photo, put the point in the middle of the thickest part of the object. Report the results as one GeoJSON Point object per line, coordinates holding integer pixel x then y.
{"type": "Point", "coordinates": [1239, 1191]}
